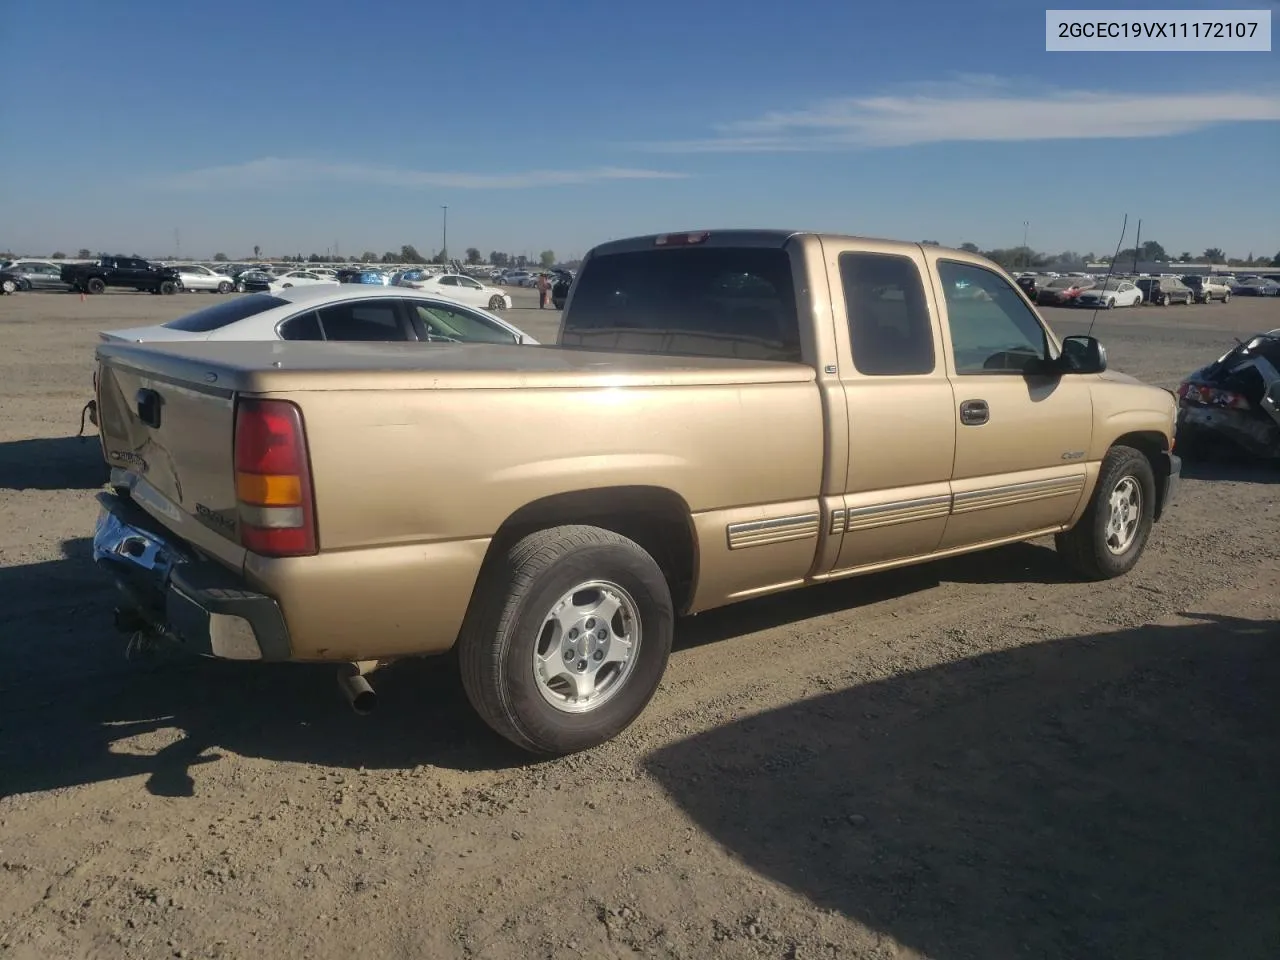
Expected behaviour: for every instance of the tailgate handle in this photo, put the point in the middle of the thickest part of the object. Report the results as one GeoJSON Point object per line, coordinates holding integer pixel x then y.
{"type": "Point", "coordinates": [149, 408]}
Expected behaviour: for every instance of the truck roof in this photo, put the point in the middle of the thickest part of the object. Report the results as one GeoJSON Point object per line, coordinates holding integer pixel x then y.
{"type": "Point", "coordinates": [734, 238]}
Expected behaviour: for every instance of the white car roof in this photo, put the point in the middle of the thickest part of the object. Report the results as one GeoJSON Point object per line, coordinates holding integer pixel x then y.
{"type": "Point", "coordinates": [309, 296]}
{"type": "Point", "coordinates": [331, 294]}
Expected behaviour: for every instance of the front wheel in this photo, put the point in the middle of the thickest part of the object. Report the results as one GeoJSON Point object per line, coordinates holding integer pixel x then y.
{"type": "Point", "coordinates": [96, 285]}
{"type": "Point", "coordinates": [1113, 532]}
{"type": "Point", "coordinates": [1111, 303]}
{"type": "Point", "coordinates": [497, 303]}
{"type": "Point", "coordinates": [168, 288]}
{"type": "Point", "coordinates": [9, 286]}
{"type": "Point", "coordinates": [566, 639]}
{"type": "Point", "coordinates": [224, 287]}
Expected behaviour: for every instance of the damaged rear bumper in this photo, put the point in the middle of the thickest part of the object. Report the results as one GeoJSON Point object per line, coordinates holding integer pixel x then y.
{"type": "Point", "coordinates": [1249, 432]}
{"type": "Point", "coordinates": [179, 595]}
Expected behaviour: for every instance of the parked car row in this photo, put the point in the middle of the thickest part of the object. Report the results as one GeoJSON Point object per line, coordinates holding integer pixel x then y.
{"type": "Point", "coordinates": [1129, 290]}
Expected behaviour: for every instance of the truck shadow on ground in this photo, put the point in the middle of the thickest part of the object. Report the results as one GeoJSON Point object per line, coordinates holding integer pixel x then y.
{"type": "Point", "coordinates": [1105, 796]}
{"type": "Point", "coordinates": [52, 463]}
{"type": "Point", "coordinates": [70, 702]}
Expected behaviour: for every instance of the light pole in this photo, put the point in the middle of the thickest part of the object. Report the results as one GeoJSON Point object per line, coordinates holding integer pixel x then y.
{"type": "Point", "coordinates": [444, 238]}
{"type": "Point", "coordinates": [1026, 254]}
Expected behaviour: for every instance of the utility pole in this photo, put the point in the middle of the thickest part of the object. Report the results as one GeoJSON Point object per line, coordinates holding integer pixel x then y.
{"type": "Point", "coordinates": [1026, 254]}
{"type": "Point", "coordinates": [177, 242]}
{"type": "Point", "coordinates": [444, 234]}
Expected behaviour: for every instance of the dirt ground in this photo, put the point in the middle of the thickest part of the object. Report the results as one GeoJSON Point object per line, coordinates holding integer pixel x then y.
{"type": "Point", "coordinates": [979, 758]}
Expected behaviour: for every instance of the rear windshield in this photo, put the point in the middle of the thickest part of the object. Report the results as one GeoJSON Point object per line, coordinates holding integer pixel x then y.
{"type": "Point", "coordinates": [710, 302]}
{"type": "Point", "coordinates": [227, 312]}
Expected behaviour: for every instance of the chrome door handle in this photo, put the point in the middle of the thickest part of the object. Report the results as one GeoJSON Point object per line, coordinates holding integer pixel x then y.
{"type": "Point", "coordinates": [974, 413]}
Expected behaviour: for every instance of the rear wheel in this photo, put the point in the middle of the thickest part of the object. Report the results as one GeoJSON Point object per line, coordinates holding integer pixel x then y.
{"type": "Point", "coordinates": [566, 639]}
{"type": "Point", "coordinates": [1164, 300]}
{"type": "Point", "coordinates": [168, 287]}
{"type": "Point", "coordinates": [497, 303]}
{"type": "Point", "coordinates": [1226, 297]}
{"type": "Point", "coordinates": [1186, 301]}
{"type": "Point", "coordinates": [1112, 534]}
{"type": "Point", "coordinates": [95, 285]}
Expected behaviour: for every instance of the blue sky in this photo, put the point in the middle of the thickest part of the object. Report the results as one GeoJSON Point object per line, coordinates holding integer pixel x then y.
{"type": "Point", "coordinates": [298, 125]}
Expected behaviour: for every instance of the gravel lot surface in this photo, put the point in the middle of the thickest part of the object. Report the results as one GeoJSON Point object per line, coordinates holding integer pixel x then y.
{"type": "Point", "coordinates": [978, 758]}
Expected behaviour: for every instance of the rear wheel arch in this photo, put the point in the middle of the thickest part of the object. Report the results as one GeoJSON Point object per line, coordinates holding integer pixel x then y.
{"type": "Point", "coordinates": [656, 518]}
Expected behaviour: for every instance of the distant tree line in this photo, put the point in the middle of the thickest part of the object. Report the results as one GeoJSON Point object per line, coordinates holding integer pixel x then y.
{"type": "Point", "coordinates": [1025, 258]}
{"type": "Point", "coordinates": [1011, 258]}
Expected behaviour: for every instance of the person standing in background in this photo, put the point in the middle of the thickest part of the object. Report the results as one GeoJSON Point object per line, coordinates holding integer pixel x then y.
{"type": "Point", "coordinates": [543, 288]}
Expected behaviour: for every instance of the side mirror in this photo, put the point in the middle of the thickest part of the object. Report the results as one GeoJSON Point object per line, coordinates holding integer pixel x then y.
{"type": "Point", "coordinates": [1081, 354]}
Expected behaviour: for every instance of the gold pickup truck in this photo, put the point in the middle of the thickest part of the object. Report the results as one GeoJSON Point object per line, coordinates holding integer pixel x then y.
{"type": "Point", "coordinates": [725, 415]}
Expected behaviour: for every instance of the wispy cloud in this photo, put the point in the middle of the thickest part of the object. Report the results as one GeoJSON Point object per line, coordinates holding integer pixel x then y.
{"type": "Point", "coordinates": [978, 108]}
{"type": "Point", "coordinates": [279, 172]}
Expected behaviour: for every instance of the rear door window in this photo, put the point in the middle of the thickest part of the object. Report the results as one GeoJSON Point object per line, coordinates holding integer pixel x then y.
{"type": "Point", "coordinates": [699, 301]}
{"type": "Point", "coordinates": [303, 327]}
{"type": "Point", "coordinates": [364, 320]}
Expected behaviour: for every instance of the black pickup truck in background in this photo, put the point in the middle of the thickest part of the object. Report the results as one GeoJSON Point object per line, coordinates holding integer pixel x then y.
{"type": "Point", "coordinates": [121, 272]}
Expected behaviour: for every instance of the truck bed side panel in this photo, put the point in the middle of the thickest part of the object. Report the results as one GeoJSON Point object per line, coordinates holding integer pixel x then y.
{"type": "Point", "coordinates": [399, 468]}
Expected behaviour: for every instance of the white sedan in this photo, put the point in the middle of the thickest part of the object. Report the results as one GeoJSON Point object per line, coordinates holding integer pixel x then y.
{"type": "Point", "coordinates": [195, 277]}
{"type": "Point", "coordinates": [340, 312]}
{"type": "Point", "coordinates": [1113, 293]}
{"type": "Point", "coordinates": [459, 288]}
{"type": "Point", "coordinates": [301, 278]}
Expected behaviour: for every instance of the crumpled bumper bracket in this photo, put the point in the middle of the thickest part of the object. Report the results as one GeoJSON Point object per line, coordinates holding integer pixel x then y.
{"type": "Point", "coordinates": [183, 596]}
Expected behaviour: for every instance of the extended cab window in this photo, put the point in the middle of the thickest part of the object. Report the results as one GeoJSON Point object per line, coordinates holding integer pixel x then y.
{"type": "Point", "coordinates": [992, 329]}
{"type": "Point", "coordinates": [696, 301]}
{"type": "Point", "coordinates": [890, 331]}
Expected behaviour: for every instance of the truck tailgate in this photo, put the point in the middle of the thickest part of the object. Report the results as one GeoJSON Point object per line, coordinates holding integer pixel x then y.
{"type": "Point", "coordinates": [173, 441]}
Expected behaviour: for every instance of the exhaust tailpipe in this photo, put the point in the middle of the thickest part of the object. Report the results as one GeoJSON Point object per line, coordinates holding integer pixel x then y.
{"type": "Point", "coordinates": [357, 690]}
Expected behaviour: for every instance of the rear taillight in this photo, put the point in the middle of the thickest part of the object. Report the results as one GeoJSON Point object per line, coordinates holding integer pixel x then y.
{"type": "Point", "coordinates": [273, 480]}
{"type": "Point", "coordinates": [1199, 395]}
